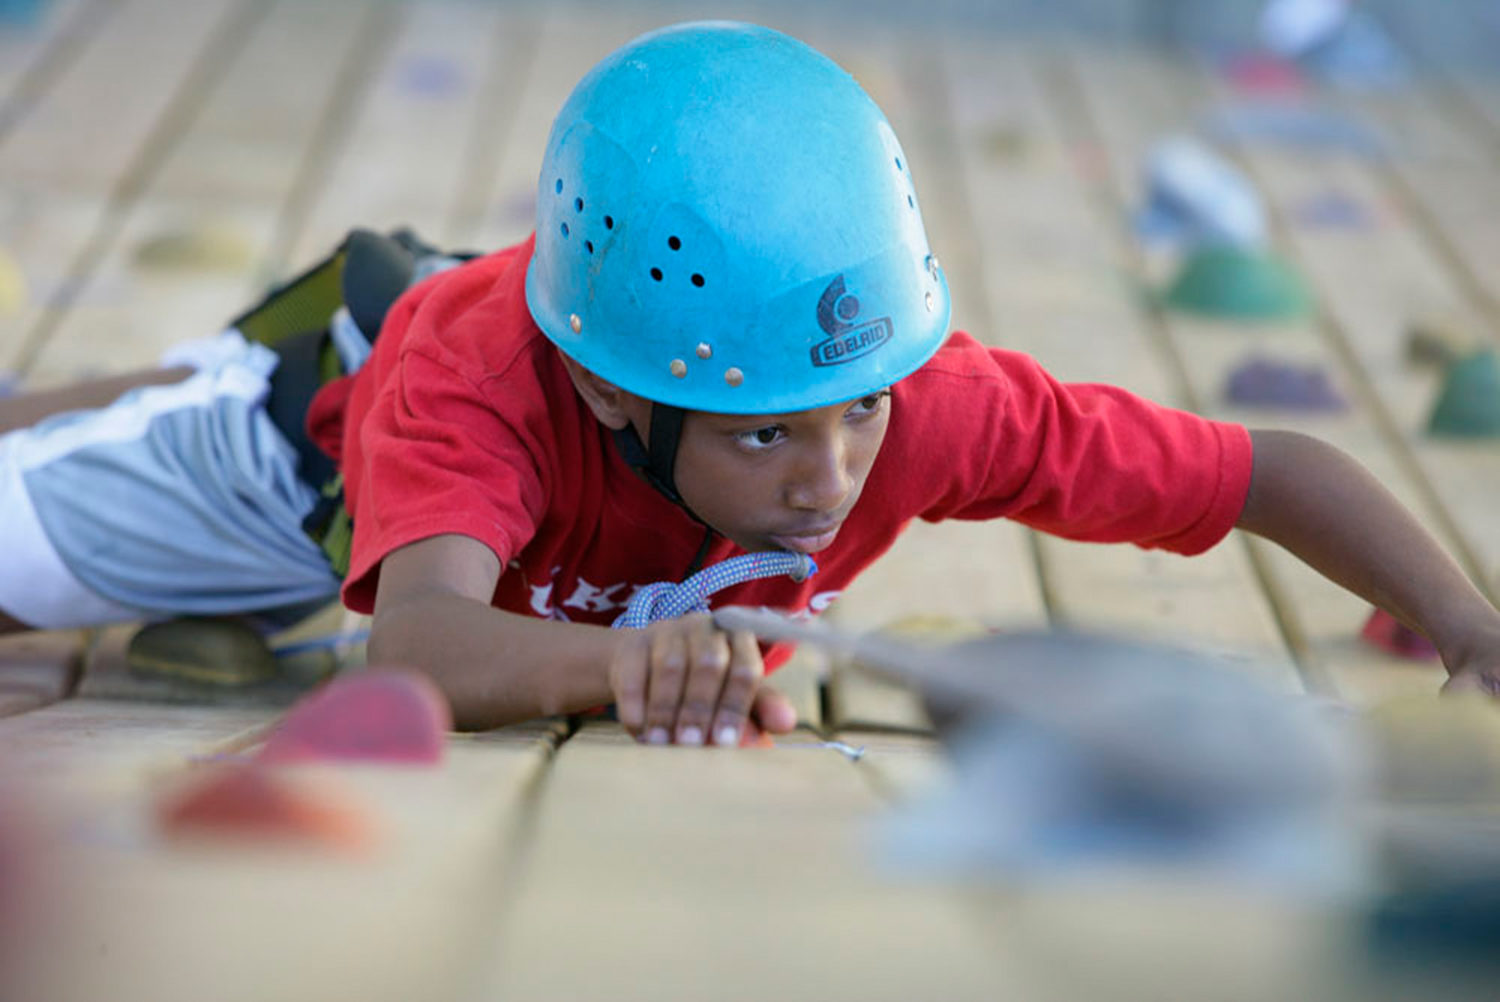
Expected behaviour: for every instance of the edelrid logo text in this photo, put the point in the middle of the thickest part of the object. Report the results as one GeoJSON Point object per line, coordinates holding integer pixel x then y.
{"type": "Point", "coordinates": [848, 338]}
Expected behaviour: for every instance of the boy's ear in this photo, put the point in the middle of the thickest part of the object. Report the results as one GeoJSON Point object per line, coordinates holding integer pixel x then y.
{"type": "Point", "coordinates": [610, 404]}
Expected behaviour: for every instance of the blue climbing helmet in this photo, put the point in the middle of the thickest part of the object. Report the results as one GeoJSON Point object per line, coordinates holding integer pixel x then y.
{"type": "Point", "coordinates": [726, 222]}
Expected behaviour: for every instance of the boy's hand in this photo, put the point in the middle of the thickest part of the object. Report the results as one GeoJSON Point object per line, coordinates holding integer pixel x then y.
{"type": "Point", "coordinates": [1485, 679]}
{"type": "Point", "coordinates": [1473, 658]}
{"type": "Point", "coordinates": [686, 681]}
{"type": "Point", "coordinates": [1476, 672]}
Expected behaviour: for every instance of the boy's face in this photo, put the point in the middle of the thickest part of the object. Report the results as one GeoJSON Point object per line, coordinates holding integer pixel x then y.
{"type": "Point", "coordinates": [781, 481]}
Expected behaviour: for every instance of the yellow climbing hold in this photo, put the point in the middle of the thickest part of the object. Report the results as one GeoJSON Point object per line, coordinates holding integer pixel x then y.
{"type": "Point", "coordinates": [207, 246]}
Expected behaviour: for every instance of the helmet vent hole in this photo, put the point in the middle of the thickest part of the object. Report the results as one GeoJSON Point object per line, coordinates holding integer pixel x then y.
{"type": "Point", "coordinates": [898, 163]}
{"type": "Point", "coordinates": [911, 203]}
{"type": "Point", "coordinates": [698, 280]}
{"type": "Point", "coordinates": [656, 274]}
{"type": "Point", "coordinates": [558, 186]}
{"type": "Point", "coordinates": [565, 230]}
{"type": "Point", "coordinates": [577, 205]}
{"type": "Point", "coordinates": [674, 243]}
{"type": "Point", "coordinates": [588, 245]}
{"type": "Point", "coordinates": [609, 222]}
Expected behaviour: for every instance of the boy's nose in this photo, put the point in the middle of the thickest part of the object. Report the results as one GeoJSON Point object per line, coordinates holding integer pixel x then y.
{"type": "Point", "coordinates": [821, 481]}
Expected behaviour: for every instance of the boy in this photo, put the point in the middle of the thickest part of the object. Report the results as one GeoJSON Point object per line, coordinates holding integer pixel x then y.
{"type": "Point", "coordinates": [727, 336]}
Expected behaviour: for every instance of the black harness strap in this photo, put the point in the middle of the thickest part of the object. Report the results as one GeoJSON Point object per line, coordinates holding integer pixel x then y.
{"type": "Point", "coordinates": [366, 274]}
{"type": "Point", "coordinates": [297, 379]}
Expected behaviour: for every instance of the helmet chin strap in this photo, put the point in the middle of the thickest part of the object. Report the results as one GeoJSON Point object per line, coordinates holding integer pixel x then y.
{"type": "Point", "coordinates": [657, 463]}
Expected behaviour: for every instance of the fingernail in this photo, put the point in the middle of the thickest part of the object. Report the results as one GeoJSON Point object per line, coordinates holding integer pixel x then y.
{"type": "Point", "coordinates": [657, 736]}
{"type": "Point", "coordinates": [690, 736]}
{"type": "Point", "coordinates": [729, 736]}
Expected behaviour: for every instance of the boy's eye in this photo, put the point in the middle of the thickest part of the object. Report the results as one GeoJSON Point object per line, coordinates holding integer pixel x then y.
{"type": "Point", "coordinates": [759, 438]}
{"type": "Point", "coordinates": [870, 404]}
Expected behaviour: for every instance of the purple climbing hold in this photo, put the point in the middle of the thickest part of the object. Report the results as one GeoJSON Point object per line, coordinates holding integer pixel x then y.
{"type": "Point", "coordinates": [1292, 125]}
{"type": "Point", "coordinates": [1264, 382]}
{"type": "Point", "coordinates": [1333, 210]}
{"type": "Point", "coordinates": [432, 76]}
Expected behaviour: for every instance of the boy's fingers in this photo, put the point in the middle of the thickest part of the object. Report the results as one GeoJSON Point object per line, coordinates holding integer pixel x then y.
{"type": "Point", "coordinates": [774, 712]}
{"type": "Point", "coordinates": [1473, 682]}
{"type": "Point", "coordinates": [708, 661]}
{"type": "Point", "coordinates": [627, 678]}
{"type": "Point", "coordinates": [740, 685]}
{"type": "Point", "coordinates": [666, 674]}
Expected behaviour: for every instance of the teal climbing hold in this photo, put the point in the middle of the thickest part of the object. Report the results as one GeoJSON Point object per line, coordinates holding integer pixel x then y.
{"type": "Point", "coordinates": [1238, 283]}
{"type": "Point", "coordinates": [1469, 406]}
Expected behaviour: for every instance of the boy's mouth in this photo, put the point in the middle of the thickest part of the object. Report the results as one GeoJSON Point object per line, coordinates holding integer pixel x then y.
{"type": "Point", "coordinates": [807, 541]}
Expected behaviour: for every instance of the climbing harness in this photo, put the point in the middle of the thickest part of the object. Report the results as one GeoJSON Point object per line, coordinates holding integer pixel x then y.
{"type": "Point", "coordinates": [322, 325]}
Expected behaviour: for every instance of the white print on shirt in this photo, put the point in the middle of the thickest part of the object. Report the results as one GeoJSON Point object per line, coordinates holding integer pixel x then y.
{"type": "Point", "coordinates": [596, 599]}
{"type": "Point", "coordinates": [593, 598]}
{"type": "Point", "coordinates": [541, 600]}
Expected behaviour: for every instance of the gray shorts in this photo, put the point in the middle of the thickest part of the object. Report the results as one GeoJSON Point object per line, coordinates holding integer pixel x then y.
{"type": "Point", "coordinates": [173, 500]}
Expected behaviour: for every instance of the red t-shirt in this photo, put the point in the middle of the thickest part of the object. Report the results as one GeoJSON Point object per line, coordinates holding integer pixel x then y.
{"type": "Point", "coordinates": [465, 421]}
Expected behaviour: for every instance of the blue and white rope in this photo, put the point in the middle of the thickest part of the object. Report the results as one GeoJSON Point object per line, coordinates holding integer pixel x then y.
{"type": "Point", "coordinates": [665, 600]}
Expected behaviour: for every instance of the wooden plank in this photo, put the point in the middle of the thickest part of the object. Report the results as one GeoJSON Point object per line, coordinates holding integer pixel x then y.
{"type": "Point", "coordinates": [1440, 168]}
{"type": "Point", "coordinates": [21, 700]}
{"type": "Point", "coordinates": [901, 767]}
{"type": "Point", "coordinates": [977, 574]}
{"type": "Point", "coordinates": [801, 680]}
{"type": "Point", "coordinates": [38, 668]}
{"type": "Point", "coordinates": [32, 53]}
{"type": "Point", "coordinates": [403, 162]}
{"type": "Point", "coordinates": [254, 922]}
{"type": "Point", "coordinates": [567, 44]}
{"type": "Point", "coordinates": [267, 118]}
{"type": "Point", "coordinates": [1453, 197]}
{"type": "Point", "coordinates": [59, 193]}
{"type": "Point", "coordinates": [1480, 95]}
{"type": "Point", "coordinates": [667, 869]}
{"type": "Point", "coordinates": [224, 181]}
{"type": "Point", "coordinates": [1052, 269]}
{"type": "Point", "coordinates": [42, 235]}
{"type": "Point", "coordinates": [1133, 101]}
{"type": "Point", "coordinates": [692, 873]}
{"type": "Point", "coordinates": [154, 44]}
{"type": "Point", "coordinates": [88, 748]}
{"type": "Point", "coordinates": [1428, 253]}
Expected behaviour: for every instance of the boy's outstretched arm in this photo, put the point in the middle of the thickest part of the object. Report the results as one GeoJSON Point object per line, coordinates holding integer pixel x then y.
{"type": "Point", "coordinates": [1320, 504]}
{"type": "Point", "coordinates": [679, 680]}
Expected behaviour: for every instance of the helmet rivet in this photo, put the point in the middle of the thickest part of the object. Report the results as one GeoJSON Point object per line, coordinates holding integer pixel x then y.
{"type": "Point", "coordinates": [932, 265]}
{"type": "Point", "coordinates": [929, 300]}
{"type": "Point", "coordinates": [705, 350]}
{"type": "Point", "coordinates": [733, 376]}
{"type": "Point", "coordinates": [678, 367]}
{"type": "Point", "coordinates": [575, 322]}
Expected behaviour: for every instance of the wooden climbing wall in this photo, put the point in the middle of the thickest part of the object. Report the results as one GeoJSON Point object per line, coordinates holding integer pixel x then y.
{"type": "Point", "coordinates": [160, 163]}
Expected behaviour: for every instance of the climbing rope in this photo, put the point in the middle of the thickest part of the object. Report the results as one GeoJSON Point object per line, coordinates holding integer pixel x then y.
{"type": "Point", "coordinates": [665, 600]}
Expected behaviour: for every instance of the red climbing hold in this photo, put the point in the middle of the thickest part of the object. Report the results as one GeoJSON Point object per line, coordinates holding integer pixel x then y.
{"type": "Point", "coordinates": [1384, 631]}
{"type": "Point", "coordinates": [246, 802]}
{"type": "Point", "coordinates": [365, 716]}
